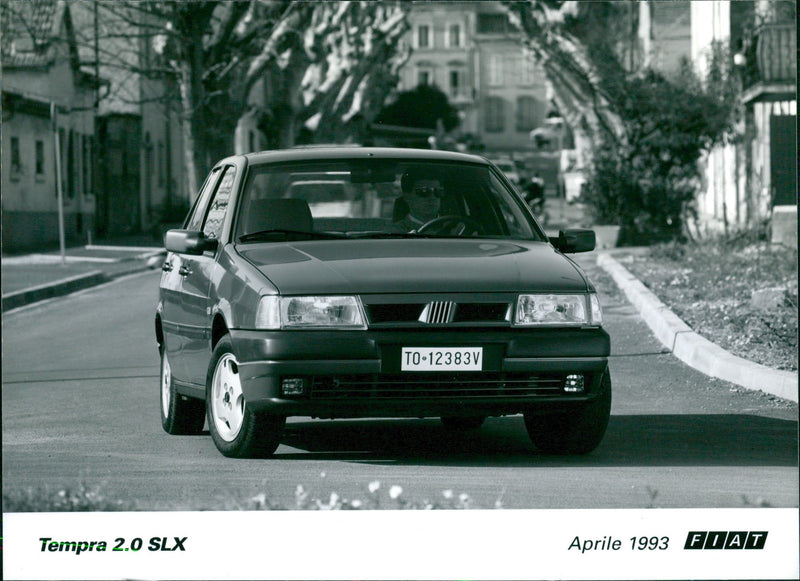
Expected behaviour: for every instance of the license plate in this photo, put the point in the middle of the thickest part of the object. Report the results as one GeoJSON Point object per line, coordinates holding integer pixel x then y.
{"type": "Point", "coordinates": [441, 359]}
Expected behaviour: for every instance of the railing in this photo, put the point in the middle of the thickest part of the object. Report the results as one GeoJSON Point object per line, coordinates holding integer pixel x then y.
{"type": "Point", "coordinates": [775, 54]}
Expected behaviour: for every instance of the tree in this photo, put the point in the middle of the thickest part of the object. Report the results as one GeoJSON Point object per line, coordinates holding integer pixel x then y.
{"type": "Point", "coordinates": [423, 106]}
{"type": "Point", "coordinates": [648, 185]}
{"type": "Point", "coordinates": [576, 61]}
{"type": "Point", "coordinates": [642, 134]}
{"type": "Point", "coordinates": [328, 65]}
{"type": "Point", "coordinates": [329, 61]}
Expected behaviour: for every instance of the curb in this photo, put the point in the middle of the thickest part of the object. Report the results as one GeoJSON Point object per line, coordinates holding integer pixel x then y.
{"type": "Point", "coordinates": [694, 350]}
{"type": "Point", "coordinates": [53, 289]}
{"type": "Point", "coordinates": [62, 287]}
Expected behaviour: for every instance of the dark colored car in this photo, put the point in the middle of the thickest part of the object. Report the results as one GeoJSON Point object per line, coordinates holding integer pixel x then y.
{"type": "Point", "coordinates": [271, 306]}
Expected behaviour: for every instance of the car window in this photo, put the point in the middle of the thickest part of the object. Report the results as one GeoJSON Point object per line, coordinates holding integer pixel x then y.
{"type": "Point", "coordinates": [212, 227]}
{"type": "Point", "coordinates": [199, 211]}
{"type": "Point", "coordinates": [373, 197]}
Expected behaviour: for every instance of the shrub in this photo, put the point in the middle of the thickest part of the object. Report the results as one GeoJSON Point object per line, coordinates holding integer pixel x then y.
{"type": "Point", "coordinates": [648, 184]}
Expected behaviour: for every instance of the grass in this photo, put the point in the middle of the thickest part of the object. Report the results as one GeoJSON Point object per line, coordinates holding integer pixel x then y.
{"type": "Point", "coordinates": [710, 284]}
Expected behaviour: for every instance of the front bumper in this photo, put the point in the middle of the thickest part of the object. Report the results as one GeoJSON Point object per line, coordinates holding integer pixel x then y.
{"type": "Point", "coordinates": [357, 373]}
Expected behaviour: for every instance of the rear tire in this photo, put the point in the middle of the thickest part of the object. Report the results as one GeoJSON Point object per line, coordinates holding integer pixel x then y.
{"type": "Point", "coordinates": [180, 415]}
{"type": "Point", "coordinates": [462, 423]}
{"type": "Point", "coordinates": [577, 431]}
{"type": "Point", "coordinates": [237, 431]}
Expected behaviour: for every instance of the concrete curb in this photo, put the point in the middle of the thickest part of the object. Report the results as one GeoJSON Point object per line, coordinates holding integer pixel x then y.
{"type": "Point", "coordinates": [53, 289]}
{"type": "Point", "coordinates": [64, 286]}
{"type": "Point", "coordinates": [691, 348]}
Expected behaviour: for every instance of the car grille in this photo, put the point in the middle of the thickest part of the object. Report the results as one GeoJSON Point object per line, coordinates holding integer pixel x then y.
{"type": "Point", "coordinates": [438, 313]}
{"type": "Point", "coordinates": [436, 385]}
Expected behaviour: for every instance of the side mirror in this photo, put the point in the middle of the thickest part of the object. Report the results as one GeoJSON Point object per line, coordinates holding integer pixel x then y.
{"type": "Point", "coordinates": [574, 240]}
{"type": "Point", "coordinates": [189, 242]}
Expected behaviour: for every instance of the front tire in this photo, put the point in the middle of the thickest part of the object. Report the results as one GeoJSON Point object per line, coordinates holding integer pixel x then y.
{"type": "Point", "coordinates": [237, 431]}
{"type": "Point", "coordinates": [577, 431]}
{"type": "Point", "coordinates": [180, 415]}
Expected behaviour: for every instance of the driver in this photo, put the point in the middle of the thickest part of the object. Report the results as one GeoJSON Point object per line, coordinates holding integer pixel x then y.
{"type": "Point", "coordinates": [423, 196]}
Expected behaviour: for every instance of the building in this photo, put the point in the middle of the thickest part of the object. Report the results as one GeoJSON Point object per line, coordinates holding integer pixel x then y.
{"type": "Point", "coordinates": [751, 180]}
{"type": "Point", "coordinates": [139, 170]}
{"type": "Point", "coordinates": [768, 61]}
{"type": "Point", "coordinates": [48, 129]}
{"type": "Point", "coordinates": [119, 140]}
{"type": "Point", "coordinates": [469, 50]}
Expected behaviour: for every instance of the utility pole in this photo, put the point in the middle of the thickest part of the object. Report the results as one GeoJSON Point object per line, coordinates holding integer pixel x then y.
{"type": "Point", "coordinates": [59, 190]}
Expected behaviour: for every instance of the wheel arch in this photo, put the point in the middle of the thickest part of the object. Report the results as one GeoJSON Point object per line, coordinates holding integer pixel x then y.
{"type": "Point", "coordinates": [219, 328]}
{"type": "Point", "coordinates": [159, 330]}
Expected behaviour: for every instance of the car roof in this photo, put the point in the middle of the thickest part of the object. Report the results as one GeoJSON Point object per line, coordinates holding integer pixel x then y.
{"type": "Point", "coordinates": [335, 153]}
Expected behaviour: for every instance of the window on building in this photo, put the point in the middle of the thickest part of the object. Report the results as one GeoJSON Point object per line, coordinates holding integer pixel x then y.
{"type": "Point", "coordinates": [39, 159]}
{"type": "Point", "coordinates": [527, 71]}
{"type": "Point", "coordinates": [457, 81]}
{"type": "Point", "coordinates": [148, 170]}
{"type": "Point", "coordinates": [424, 36]}
{"type": "Point", "coordinates": [424, 76]}
{"type": "Point", "coordinates": [71, 168]}
{"type": "Point", "coordinates": [492, 24]}
{"type": "Point", "coordinates": [526, 113]}
{"type": "Point", "coordinates": [88, 163]}
{"type": "Point", "coordinates": [496, 70]}
{"type": "Point", "coordinates": [454, 36]}
{"type": "Point", "coordinates": [62, 144]}
{"type": "Point", "coordinates": [16, 159]}
{"type": "Point", "coordinates": [161, 164]}
{"type": "Point", "coordinates": [495, 115]}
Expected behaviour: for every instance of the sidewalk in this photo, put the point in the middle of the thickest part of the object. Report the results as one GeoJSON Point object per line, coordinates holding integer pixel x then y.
{"type": "Point", "coordinates": [34, 277]}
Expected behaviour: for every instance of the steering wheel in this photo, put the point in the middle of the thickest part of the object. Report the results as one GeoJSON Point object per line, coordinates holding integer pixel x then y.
{"type": "Point", "coordinates": [458, 225]}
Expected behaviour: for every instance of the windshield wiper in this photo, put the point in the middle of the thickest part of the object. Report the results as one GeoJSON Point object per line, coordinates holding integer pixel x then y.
{"type": "Point", "coordinates": [278, 233]}
{"type": "Point", "coordinates": [389, 235]}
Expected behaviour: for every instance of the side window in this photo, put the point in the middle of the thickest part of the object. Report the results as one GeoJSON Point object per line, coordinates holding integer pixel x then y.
{"type": "Point", "coordinates": [219, 206]}
{"type": "Point", "coordinates": [199, 211]}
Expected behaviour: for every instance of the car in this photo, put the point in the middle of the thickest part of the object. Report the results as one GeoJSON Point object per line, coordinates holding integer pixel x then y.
{"type": "Point", "coordinates": [509, 169]}
{"type": "Point", "coordinates": [267, 312]}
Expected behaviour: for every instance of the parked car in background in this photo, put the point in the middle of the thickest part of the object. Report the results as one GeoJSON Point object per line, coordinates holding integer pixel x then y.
{"type": "Point", "coordinates": [267, 310]}
{"type": "Point", "coordinates": [509, 169]}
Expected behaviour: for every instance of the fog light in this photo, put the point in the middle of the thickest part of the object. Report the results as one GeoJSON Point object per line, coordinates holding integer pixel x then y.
{"type": "Point", "coordinates": [293, 386]}
{"type": "Point", "coordinates": [574, 384]}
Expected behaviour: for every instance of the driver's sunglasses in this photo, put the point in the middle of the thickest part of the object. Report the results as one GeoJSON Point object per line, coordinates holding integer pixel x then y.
{"type": "Point", "coordinates": [428, 191]}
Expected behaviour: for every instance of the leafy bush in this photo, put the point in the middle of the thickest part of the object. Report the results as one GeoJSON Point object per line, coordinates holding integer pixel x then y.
{"type": "Point", "coordinates": [84, 498]}
{"type": "Point", "coordinates": [647, 184]}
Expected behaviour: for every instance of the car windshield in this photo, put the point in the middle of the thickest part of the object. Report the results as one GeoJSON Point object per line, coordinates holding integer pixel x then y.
{"type": "Point", "coordinates": [379, 198]}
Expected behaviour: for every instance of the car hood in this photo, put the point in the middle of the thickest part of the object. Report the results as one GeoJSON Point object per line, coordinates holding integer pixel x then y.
{"type": "Point", "coordinates": [414, 266]}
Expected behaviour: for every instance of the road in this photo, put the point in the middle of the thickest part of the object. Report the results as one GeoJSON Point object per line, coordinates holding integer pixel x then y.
{"type": "Point", "coordinates": [80, 405]}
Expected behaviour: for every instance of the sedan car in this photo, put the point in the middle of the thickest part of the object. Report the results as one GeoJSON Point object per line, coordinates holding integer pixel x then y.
{"type": "Point", "coordinates": [508, 168]}
{"type": "Point", "coordinates": [266, 311]}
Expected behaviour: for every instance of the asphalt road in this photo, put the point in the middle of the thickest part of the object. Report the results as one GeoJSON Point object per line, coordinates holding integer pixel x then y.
{"type": "Point", "coordinates": [80, 405]}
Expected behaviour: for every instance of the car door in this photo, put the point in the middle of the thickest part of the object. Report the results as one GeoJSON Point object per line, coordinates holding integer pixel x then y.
{"type": "Point", "coordinates": [173, 320]}
{"type": "Point", "coordinates": [196, 272]}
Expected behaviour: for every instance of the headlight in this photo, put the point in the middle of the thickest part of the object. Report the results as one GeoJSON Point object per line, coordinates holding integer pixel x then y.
{"type": "Point", "coordinates": [342, 312]}
{"type": "Point", "coordinates": [555, 309]}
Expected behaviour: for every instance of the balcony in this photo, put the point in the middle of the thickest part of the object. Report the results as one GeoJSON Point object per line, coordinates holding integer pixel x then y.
{"type": "Point", "coordinates": [771, 68]}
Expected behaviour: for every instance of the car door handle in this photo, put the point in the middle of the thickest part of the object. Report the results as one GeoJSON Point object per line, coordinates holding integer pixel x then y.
{"type": "Point", "coordinates": [184, 270]}
{"type": "Point", "coordinates": [166, 267]}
